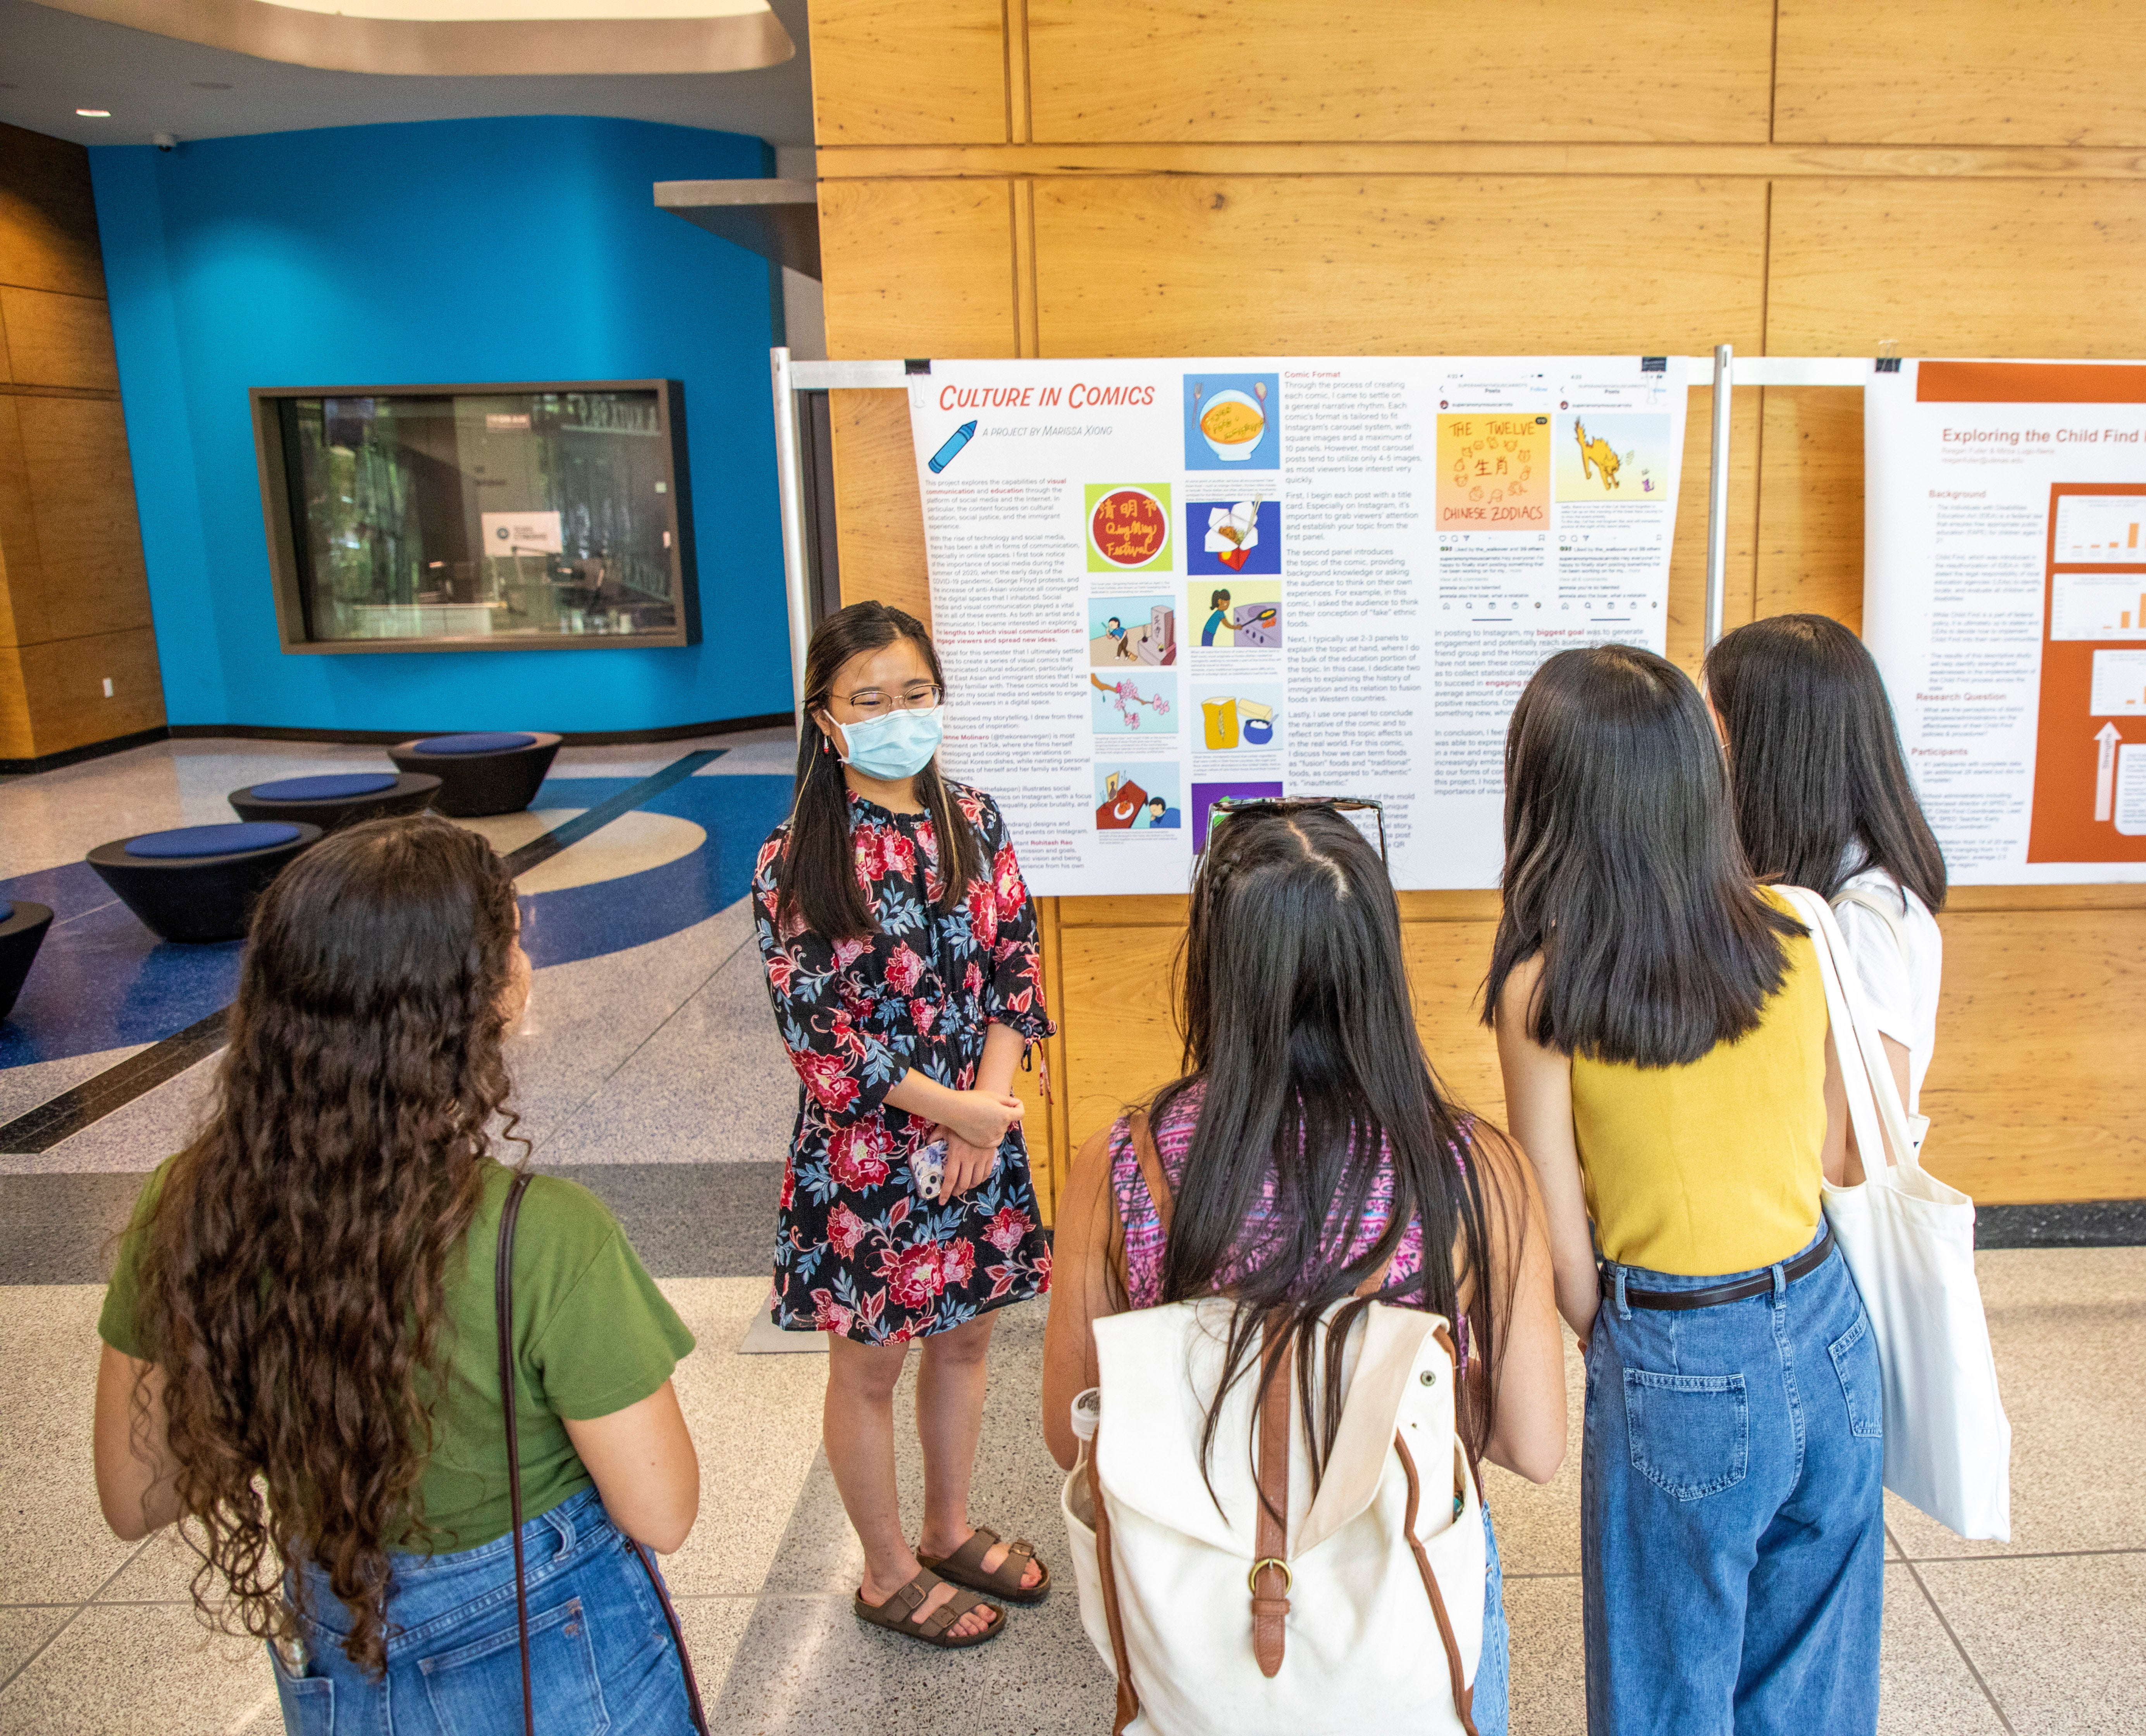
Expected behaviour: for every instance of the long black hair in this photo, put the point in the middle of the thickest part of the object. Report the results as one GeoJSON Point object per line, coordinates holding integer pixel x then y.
{"type": "Point", "coordinates": [1821, 787]}
{"type": "Point", "coordinates": [1623, 870]}
{"type": "Point", "coordinates": [818, 877]}
{"type": "Point", "coordinates": [1294, 1003]}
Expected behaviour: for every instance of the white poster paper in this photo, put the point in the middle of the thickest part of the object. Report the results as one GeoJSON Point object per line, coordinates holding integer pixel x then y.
{"type": "Point", "coordinates": [2005, 600]}
{"type": "Point", "coordinates": [1157, 582]}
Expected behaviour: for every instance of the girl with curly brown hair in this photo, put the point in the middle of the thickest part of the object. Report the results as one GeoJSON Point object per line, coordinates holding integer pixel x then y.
{"type": "Point", "coordinates": [301, 1352]}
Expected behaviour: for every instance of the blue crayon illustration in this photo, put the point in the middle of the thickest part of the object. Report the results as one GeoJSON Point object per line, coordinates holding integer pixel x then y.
{"type": "Point", "coordinates": [951, 450]}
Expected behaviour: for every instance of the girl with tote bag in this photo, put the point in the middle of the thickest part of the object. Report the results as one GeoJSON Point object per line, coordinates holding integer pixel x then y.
{"type": "Point", "coordinates": [1664, 1031]}
{"type": "Point", "coordinates": [1823, 800]}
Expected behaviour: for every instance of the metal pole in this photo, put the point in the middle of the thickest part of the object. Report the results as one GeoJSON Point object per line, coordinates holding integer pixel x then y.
{"type": "Point", "coordinates": [1717, 500]}
{"type": "Point", "coordinates": [791, 485]}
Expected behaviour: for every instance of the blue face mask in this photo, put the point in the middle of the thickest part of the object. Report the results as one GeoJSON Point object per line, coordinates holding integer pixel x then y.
{"type": "Point", "coordinates": [899, 745]}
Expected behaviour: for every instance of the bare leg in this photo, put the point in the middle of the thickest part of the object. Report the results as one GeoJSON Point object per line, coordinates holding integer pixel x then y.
{"type": "Point", "coordinates": [857, 1429]}
{"type": "Point", "coordinates": [950, 1417]}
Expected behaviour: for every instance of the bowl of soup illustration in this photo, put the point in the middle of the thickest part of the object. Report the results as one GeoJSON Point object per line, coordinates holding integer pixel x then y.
{"type": "Point", "coordinates": [1232, 423]}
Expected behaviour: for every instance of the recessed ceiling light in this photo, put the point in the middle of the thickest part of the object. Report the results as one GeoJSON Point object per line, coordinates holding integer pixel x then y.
{"type": "Point", "coordinates": [95, 114]}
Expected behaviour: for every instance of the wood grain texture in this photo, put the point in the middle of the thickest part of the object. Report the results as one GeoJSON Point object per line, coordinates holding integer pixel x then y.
{"type": "Point", "coordinates": [918, 269]}
{"type": "Point", "coordinates": [1810, 504]}
{"type": "Point", "coordinates": [47, 215]}
{"type": "Point", "coordinates": [1957, 268]}
{"type": "Point", "coordinates": [1592, 161]}
{"type": "Point", "coordinates": [1235, 70]}
{"type": "Point", "coordinates": [878, 509]}
{"type": "Point", "coordinates": [1944, 71]}
{"type": "Point", "coordinates": [1121, 1038]}
{"type": "Point", "coordinates": [1446, 963]}
{"type": "Point", "coordinates": [88, 543]}
{"type": "Point", "coordinates": [63, 679]}
{"type": "Point", "coordinates": [927, 71]}
{"type": "Point", "coordinates": [17, 739]}
{"type": "Point", "coordinates": [1404, 266]}
{"type": "Point", "coordinates": [19, 570]}
{"type": "Point", "coordinates": [2033, 1090]}
{"type": "Point", "coordinates": [57, 340]}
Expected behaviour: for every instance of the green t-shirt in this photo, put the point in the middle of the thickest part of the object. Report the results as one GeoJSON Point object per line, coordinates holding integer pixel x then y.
{"type": "Point", "coordinates": [592, 1334]}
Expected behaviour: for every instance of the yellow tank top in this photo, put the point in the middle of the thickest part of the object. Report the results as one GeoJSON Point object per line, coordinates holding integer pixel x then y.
{"type": "Point", "coordinates": [1714, 1167]}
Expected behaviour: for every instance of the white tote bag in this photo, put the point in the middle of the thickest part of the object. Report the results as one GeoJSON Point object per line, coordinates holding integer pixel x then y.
{"type": "Point", "coordinates": [1908, 1240]}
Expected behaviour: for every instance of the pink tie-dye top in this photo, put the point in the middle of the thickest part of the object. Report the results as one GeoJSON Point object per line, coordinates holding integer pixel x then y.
{"type": "Point", "coordinates": [1173, 1144]}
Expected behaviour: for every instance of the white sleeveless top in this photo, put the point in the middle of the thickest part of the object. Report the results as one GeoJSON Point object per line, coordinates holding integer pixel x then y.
{"type": "Point", "coordinates": [1898, 971]}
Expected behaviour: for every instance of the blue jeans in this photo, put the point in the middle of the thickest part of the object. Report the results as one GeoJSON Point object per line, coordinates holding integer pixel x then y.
{"type": "Point", "coordinates": [599, 1647]}
{"type": "Point", "coordinates": [1733, 1538]}
{"type": "Point", "coordinates": [1494, 1667]}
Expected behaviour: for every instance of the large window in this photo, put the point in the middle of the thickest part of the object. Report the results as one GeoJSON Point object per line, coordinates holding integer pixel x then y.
{"type": "Point", "coordinates": [475, 516]}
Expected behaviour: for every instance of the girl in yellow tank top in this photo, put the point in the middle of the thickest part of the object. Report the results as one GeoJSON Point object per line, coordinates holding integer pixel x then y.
{"type": "Point", "coordinates": [1669, 1069]}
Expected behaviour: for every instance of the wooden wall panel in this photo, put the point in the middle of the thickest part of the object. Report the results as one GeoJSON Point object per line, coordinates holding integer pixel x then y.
{"type": "Point", "coordinates": [926, 72]}
{"type": "Point", "coordinates": [1398, 265]}
{"type": "Point", "coordinates": [918, 267]}
{"type": "Point", "coordinates": [64, 679]}
{"type": "Point", "coordinates": [47, 215]}
{"type": "Point", "coordinates": [879, 509]}
{"type": "Point", "coordinates": [1810, 504]}
{"type": "Point", "coordinates": [1242, 70]}
{"type": "Point", "coordinates": [57, 340]}
{"type": "Point", "coordinates": [81, 492]}
{"type": "Point", "coordinates": [1957, 268]}
{"type": "Point", "coordinates": [1121, 1038]}
{"type": "Point", "coordinates": [1382, 176]}
{"type": "Point", "coordinates": [2033, 1092]}
{"type": "Point", "coordinates": [1961, 71]}
{"type": "Point", "coordinates": [74, 596]}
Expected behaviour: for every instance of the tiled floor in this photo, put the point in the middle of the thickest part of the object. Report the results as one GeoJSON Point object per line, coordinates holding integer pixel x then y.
{"type": "Point", "coordinates": [652, 1073]}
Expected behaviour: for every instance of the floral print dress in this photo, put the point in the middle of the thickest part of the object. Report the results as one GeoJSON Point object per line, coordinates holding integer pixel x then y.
{"type": "Point", "coordinates": [859, 1251]}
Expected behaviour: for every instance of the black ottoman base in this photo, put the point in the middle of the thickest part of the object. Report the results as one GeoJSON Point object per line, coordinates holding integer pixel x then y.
{"type": "Point", "coordinates": [195, 898]}
{"type": "Point", "coordinates": [20, 936]}
{"type": "Point", "coordinates": [472, 785]}
{"type": "Point", "coordinates": [412, 792]}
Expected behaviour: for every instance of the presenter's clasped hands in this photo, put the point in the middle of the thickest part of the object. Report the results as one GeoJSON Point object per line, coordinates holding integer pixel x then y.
{"type": "Point", "coordinates": [973, 1123]}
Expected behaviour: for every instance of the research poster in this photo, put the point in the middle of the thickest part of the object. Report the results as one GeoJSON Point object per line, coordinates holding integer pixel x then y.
{"type": "Point", "coordinates": [2005, 600]}
{"type": "Point", "coordinates": [1155, 583]}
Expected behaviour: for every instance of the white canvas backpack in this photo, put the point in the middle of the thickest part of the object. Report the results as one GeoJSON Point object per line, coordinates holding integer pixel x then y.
{"type": "Point", "coordinates": [1365, 1611]}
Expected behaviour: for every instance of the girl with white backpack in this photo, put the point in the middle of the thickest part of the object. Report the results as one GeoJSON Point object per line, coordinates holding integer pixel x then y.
{"type": "Point", "coordinates": [1258, 1271]}
{"type": "Point", "coordinates": [1822, 799]}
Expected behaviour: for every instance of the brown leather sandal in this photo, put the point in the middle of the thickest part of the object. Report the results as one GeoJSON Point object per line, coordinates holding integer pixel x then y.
{"type": "Point", "coordinates": [966, 1566]}
{"type": "Point", "coordinates": [897, 1615]}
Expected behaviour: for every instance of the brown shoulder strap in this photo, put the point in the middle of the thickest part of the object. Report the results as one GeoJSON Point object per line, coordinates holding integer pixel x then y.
{"type": "Point", "coordinates": [1106, 1571]}
{"type": "Point", "coordinates": [1271, 1575]}
{"type": "Point", "coordinates": [1151, 1170]}
{"type": "Point", "coordinates": [1464, 1695]}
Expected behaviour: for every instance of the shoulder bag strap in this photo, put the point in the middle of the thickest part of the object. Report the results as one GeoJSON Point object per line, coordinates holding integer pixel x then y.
{"type": "Point", "coordinates": [1873, 1100]}
{"type": "Point", "coordinates": [503, 1306]}
{"type": "Point", "coordinates": [502, 1296]}
{"type": "Point", "coordinates": [1464, 1695]}
{"type": "Point", "coordinates": [1891, 911]}
{"type": "Point", "coordinates": [1269, 1577]}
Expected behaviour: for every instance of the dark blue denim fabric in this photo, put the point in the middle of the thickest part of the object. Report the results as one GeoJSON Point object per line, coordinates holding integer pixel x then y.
{"type": "Point", "coordinates": [601, 1655]}
{"type": "Point", "coordinates": [1732, 1528]}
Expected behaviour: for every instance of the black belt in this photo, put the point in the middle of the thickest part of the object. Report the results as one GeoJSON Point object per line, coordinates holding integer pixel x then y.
{"type": "Point", "coordinates": [1809, 1261]}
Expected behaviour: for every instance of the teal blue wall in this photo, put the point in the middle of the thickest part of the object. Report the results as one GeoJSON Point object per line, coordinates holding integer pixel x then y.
{"type": "Point", "coordinates": [446, 252]}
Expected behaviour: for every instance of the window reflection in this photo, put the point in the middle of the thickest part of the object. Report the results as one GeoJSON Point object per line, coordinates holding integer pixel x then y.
{"type": "Point", "coordinates": [493, 517]}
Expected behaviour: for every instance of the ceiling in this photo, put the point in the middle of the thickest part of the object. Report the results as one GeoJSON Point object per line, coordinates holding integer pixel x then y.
{"type": "Point", "coordinates": [53, 62]}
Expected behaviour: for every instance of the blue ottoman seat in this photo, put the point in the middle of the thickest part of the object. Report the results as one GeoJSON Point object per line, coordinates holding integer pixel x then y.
{"type": "Point", "coordinates": [198, 882]}
{"type": "Point", "coordinates": [491, 772]}
{"type": "Point", "coordinates": [21, 932]}
{"type": "Point", "coordinates": [336, 799]}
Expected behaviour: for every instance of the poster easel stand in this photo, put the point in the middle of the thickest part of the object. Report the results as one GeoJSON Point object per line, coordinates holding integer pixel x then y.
{"type": "Point", "coordinates": [792, 377]}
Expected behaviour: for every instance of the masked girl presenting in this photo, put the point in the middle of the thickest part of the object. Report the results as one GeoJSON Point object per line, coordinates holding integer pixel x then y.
{"type": "Point", "coordinates": [900, 946]}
